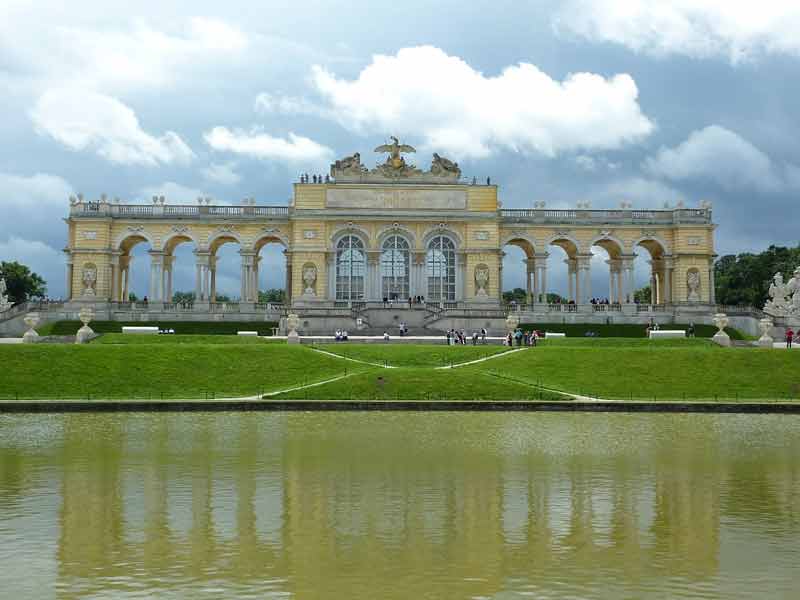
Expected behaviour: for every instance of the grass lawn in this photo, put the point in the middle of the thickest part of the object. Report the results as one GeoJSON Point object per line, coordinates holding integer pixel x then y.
{"type": "Point", "coordinates": [421, 384]}
{"type": "Point", "coordinates": [67, 371]}
{"type": "Point", "coordinates": [163, 340]}
{"type": "Point", "coordinates": [180, 327]}
{"type": "Point", "coordinates": [667, 372]}
{"type": "Point", "coordinates": [408, 355]}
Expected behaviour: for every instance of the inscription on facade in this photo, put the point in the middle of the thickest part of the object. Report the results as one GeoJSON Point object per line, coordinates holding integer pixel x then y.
{"type": "Point", "coordinates": [397, 199]}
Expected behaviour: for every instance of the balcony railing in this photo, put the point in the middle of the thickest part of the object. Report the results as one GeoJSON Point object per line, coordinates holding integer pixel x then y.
{"type": "Point", "coordinates": [157, 211]}
{"type": "Point", "coordinates": [607, 217]}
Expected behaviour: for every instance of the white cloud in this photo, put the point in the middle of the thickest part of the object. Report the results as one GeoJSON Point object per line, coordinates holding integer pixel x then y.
{"type": "Point", "coordinates": [640, 191]}
{"type": "Point", "coordinates": [40, 258]}
{"type": "Point", "coordinates": [224, 174]}
{"type": "Point", "coordinates": [720, 155]}
{"type": "Point", "coordinates": [737, 29]}
{"type": "Point", "coordinates": [84, 120]}
{"type": "Point", "coordinates": [101, 58]}
{"type": "Point", "coordinates": [257, 144]}
{"type": "Point", "coordinates": [424, 91]}
{"type": "Point", "coordinates": [267, 103]}
{"type": "Point", "coordinates": [32, 207]}
{"type": "Point", "coordinates": [174, 193]}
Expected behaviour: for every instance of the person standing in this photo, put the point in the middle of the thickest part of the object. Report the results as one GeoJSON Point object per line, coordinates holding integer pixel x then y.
{"type": "Point", "coordinates": [789, 338]}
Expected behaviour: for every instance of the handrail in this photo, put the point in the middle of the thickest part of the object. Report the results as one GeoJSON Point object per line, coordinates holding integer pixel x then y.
{"type": "Point", "coordinates": [565, 216]}
{"type": "Point", "coordinates": [104, 209]}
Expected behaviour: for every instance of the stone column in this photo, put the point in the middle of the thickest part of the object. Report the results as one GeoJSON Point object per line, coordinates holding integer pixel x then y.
{"type": "Point", "coordinates": [331, 256]}
{"type": "Point", "coordinates": [201, 287]}
{"type": "Point", "coordinates": [614, 280]}
{"type": "Point", "coordinates": [212, 269]}
{"type": "Point", "coordinates": [372, 284]}
{"type": "Point", "coordinates": [667, 277]}
{"type": "Point", "coordinates": [156, 270]}
{"type": "Point", "coordinates": [712, 290]}
{"type": "Point", "coordinates": [114, 284]}
{"type": "Point", "coordinates": [256, 266]}
{"type": "Point", "coordinates": [461, 276]}
{"type": "Point", "coordinates": [627, 267]}
{"type": "Point", "coordinates": [530, 270]}
{"type": "Point", "coordinates": [584, 277]}
{"type": "Point", "coordinates": [289, 279]}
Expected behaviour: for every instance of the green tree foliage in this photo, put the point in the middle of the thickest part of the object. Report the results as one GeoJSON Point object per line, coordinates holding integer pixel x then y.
{"type": "Point", "coordinates": [276, 296]}
{"type": "Point", "coordinates": [520, 296]}
{"type": "Point", "coordinates": [745, 278]}
{"type": "Point", "coordinates": [22, 284]}
{"type": "Point", "coordinates": [643, 295]}
{"type": "Point", "coordinates": [183, 297]}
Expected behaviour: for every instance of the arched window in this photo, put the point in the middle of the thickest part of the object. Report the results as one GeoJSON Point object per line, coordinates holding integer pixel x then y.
{"type": "Point", "coordinates": [350, 268]}
{"type": "Point", "coordinates": [441, 269]}
{"type": "Point", "coordinates": [395, 268]}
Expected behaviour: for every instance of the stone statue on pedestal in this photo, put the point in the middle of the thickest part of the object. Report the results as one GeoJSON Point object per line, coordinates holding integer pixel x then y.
{"type": "Point", "coordinates": [784, 298]}
{"type": "Point", "coordinates": [5, 303]}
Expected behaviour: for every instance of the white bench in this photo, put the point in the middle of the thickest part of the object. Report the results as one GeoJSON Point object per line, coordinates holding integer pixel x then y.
{"type": "Point", "coordinates": [141, 330]}
{"type": "Point", "coordinates": [667, 333]}
{"type": "Point", "coordinates": [251, 333]}
{"type": "Point", "coordinates": [550, 335]}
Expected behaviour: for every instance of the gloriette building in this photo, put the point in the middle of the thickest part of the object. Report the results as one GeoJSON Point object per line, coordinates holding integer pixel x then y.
{"type": "Point", "coordinates": [360, 242]}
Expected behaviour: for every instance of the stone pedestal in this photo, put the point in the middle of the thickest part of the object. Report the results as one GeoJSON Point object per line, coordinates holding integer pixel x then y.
{"type": "Point", "coordinates": [766, 340]}
{"type": "Point", "coordinates": [85, 333]}
{"type": "Point", "coordinates": [292, 321]}
{"type": "Point", "coordinates": [721, 338]}
{"type": "Point", "coordinates": [31, 320]}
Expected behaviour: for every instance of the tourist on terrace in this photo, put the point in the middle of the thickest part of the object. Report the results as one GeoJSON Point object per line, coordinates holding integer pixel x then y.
{"type": "Point", "coordinates": [789, 338]}
{"type": "Point", "coordinates": [483, 336]}
{"type": "Point", "coordinates": [344, 335]}
{"type": "Point", "coordinates": [385, 336]}
{"type": "Point", "coordinates": [690, 331]}
{"type": "Point", "coordinates": [474, 338]}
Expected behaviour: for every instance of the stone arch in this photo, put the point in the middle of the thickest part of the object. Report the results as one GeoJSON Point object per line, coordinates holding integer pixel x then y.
{"type": "Point", "coordinates": [396, 229]}
{"type": "Point", "coordinates": [127, 240]}
{"type": "Point", "coordinates": [566, 242]}
{"type": "Point", "coordinates": [219, 238]}
{"type": "Point", "coordinates": [432, 232]}
{"type": "Point", "coordinates": [655, 245]}
{"type": "Point", "coordinates": [611, 244]}
{"type": "Point", "coordinates": [271, 237]}
{"type": "Point", "coordinates": [176, 238]}
{"type": "Point", "coordinates": [351, 229]}
{"type": "Point", "coordinates": [521, 240]}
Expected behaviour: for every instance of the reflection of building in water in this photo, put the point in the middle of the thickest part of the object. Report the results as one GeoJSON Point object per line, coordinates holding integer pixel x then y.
{"type": "Point", "coordinates": [259, 500]}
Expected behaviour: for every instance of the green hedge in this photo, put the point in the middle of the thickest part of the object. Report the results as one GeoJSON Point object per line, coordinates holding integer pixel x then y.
{"type": "Point", "coordinates": [180, 327]}
{"type": "Point", "coordinates": [624, 330]}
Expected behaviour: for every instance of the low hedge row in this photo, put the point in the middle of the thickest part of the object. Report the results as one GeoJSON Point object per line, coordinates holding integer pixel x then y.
{"type": "Point", "coordinates": [624, 330]}
{"type": "Point", "coordinates": [180, 327]}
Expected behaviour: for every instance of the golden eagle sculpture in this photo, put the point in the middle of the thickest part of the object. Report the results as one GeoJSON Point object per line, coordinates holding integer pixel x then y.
{"type": "Point", "coordinates": [395, 149]}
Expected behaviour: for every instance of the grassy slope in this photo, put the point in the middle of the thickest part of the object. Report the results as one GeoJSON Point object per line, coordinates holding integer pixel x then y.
{"type": "Point", "coordinates": [421, 384]}
{"type": "Point", "coordinates": [180, 327]}
{"type": "Point", "coordinates": [43, 371]}
{"type": "Point", "coordinates": [403, 355]}
{"type": "Point", "coordinates": [664, 372]}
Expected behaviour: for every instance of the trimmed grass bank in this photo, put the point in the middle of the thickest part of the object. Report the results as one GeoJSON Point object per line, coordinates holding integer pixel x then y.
{"type": "Point", "coordinates": [407, 355]}
{"type": "Point", "coordinates": [196, 371]}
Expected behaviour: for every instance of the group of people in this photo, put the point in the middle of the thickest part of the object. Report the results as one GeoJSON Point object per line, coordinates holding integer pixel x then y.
{"type": "Point", "coordinates": [403, 329]}
{"type": "Point", "coordinates": [522, 338]}
{"type": "Point", "coordinates": [789, 338]}
{"type": "Point", "coordinates": [341, 335]}
{"type": "Point", "coordinates": [455, 336]}
{"type": "Point", "coordinates": [389, 301]}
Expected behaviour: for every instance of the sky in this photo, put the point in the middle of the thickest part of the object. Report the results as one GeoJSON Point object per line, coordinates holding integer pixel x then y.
{"type": "Point", "coordinates": [568, 101]}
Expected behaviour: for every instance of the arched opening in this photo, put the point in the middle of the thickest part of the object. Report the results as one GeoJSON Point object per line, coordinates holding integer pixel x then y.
{"type": "Point", "coordinates": [220, 275]}
{"type": "Point", "coordinates": [272, 284]}
{"type": "Point", "coordinates": [178, 270]}
{"type": "Point", "coordinates": [518, 277]}
{"type": "Point", "coordinates": [607, 273]}
{"type": "Point", "coordinates": [395, 267]}
{"type": "Point", "coordinates": [561, 282]}
{"type": "Point", "coordinates": [440, 269]}
{"type": "Point", "coordinates": [652, 278]}
{"type": "Point", "coordinates": [351, 268]}
{"type": "Point", "coordinates": [133, 278]}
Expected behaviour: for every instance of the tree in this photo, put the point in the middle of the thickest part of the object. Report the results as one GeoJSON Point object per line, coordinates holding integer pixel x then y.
{"type": "Point", "coordinates": [745, 278]}
{"type": "Point", "coordinates": [21, 283]}
{"type": "Point", "coordinates": [183, 297]}
{"type": "Point", "coordinates": [276, 296]}
{"type": "Point", "coordinates": [643, 296]}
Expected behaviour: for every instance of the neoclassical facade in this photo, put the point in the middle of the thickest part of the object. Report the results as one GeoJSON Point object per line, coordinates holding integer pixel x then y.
{"type": "Point", "coordinates": [393, 232]}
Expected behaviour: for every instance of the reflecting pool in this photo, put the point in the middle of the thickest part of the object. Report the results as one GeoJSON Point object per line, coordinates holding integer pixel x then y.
{"type": "Point", "coordinates": [399, 506]}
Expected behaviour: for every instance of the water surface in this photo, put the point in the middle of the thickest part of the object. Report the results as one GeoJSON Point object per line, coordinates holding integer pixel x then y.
{"type": "Point", "coordinates": [399, 506]}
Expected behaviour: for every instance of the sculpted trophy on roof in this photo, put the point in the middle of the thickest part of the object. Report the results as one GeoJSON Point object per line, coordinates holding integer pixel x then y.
{"type": "Point", "coordinates": [395, 168]}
